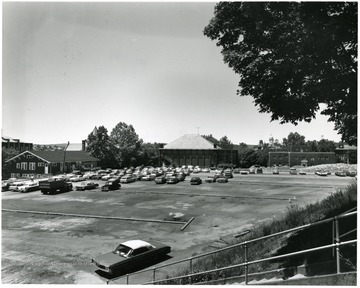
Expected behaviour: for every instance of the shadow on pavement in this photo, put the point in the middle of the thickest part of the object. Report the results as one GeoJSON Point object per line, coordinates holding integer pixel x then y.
{"type": "Point", "coordinates": [125, 271]}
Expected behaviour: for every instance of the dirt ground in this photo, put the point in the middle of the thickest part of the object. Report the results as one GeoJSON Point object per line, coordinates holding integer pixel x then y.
{"type": "Point", "coordinates": [53, 249]}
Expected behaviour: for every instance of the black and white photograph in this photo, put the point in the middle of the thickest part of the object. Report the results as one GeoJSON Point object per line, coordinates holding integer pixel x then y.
{"type": "Point", "coordinates": [179, 143]}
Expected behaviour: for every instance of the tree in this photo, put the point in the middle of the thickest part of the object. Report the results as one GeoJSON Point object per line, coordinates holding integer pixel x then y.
{"type": "Point", "coordinates": [149, 154]}
{"type": "Point", "coordinates": [225, 143]}
{"type": "Point", "coordinates": [100, 146]}
{"type": "Point", "coordinates": [6, 154]}
{"type": "Point", "coordinates": [126, 144]}
{"type": "Point", "coordinates": [325, 145]}
{"type": "Point", "coordinates": [247, 158]}
{"type": "Point", "coordinates": [293, 56]}
{"type": "Point", "coordinates": [211, 139]}
{"type": "Point", "coordinates": [293, 139]}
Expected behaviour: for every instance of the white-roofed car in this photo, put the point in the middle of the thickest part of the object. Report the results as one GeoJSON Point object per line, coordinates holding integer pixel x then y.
{"type": "Point", "coordinates": [29, 186]}
{"type": "Point", "coordinates": [130, 255]}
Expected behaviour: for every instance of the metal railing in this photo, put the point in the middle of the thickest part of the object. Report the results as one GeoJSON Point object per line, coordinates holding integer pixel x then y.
{"type": "Point", "coordinates": [245, 244]}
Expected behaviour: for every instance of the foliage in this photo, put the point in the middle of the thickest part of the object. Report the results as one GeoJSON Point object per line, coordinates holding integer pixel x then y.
{"type": "Point", "coordinates": [293, 56]}
{"type": "Point", "coordinates": [247, 158]}
{"type": "Point", "coordinates": [211, 139]}
{"type": "Point", "coordinates": [100, 146]}
{"type": "Point", "coordinates": [225, 143]}
{"type": "Point", "coordinates": [39, 147]}
{"type": "Point", "coordinates": [325, 145]}
{"type": "Point", "coordinates": [6, 154]}
{"type": "Point", "coordinates": [149, 154]}
{"type": "Point", "coordinates": [126, 144]}
{"type": "Point", "coordinates": [293, 139]}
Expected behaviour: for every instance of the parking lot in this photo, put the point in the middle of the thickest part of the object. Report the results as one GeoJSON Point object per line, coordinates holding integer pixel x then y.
{"type": "Point", "coordinates": [57, 249]}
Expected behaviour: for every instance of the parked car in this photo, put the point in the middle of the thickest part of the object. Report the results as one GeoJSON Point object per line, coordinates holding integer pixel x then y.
{"type": "Point", "coordinates": [222, 179]}
{"type": "Point", "coordinates": [211, 179]}
{"type": "Point", "coordinates": [181, 176]}
{"type": "Point", "coordinates": [29, 186]}
{"type": "Point", "coordinates": [244, 172]}
{"type": "Point", "coordinates": [321, 173]}
{"type": "Point", "coordinates": [252, 170]}
{"type": "Point", "coordinates": [351, 173]}
{"type": "Point", "coordinates": [276, 171]}
{"type": "Point", "coordinates": [228, 174]}
{"type": "Point", "coordinates": [88, 185]}
{"type": "Point", "coordinates": [149, 177]}
{"type": "Point", "coordinates": [340, 173]}
{"type": "Point", "coordinates": [195, 181]}
{"type": "Point", "coordinates": [160, 180]}
{"type": "Point", "coordinates": [111, 184]}
{"type": "Point", "coordinates": [205, 170]}
{"type": "Point", "coordinates": [172, 180]}
{"type": "Point", "coordinates": [106, 177]}
{"type": "Point", "coordinates": [16, 185]}
{"type": "Point", "coordinates": [293, 171]}
{"type": "Point", "coordinates": [130, 255]}
{"type": "Point", "coordinates": [127, 179]}
{"type": "Point", "coordinates": [5, 186]}
{"type": "Point", "coordinates": [77, 178]}
{"type": "Point", "coordinates": [302, 172]}
{"type": "Point", "coordinates": [237, 171]}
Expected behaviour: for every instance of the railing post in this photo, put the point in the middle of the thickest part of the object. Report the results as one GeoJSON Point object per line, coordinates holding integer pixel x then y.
{"type": "Point", "coordinates": [337, 235]}
{"type": "Point", "coordinates": [154, 271]}
{"type": "Point", "coordinates": [333, 238]}
{"type": "Point", "coordinates": [127, 279]}
{"type": "Point", "coordinates": [191, 271]}
{"type": "Point", "coordinates": [246, 266]}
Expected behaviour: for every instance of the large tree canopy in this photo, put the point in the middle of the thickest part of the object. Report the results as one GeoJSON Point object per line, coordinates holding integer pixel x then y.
{"type": "Point", "coordinates": [127, 143]}
{"type": "Point", "coordinates": [293, 56]}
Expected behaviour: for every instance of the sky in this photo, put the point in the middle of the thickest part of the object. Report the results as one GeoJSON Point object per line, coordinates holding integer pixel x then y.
{"type": "Point", "coordinates": [71, 66]}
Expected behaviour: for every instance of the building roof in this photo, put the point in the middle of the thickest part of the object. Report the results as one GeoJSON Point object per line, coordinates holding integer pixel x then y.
{"type": "Point", "coordinates": [6, 139]}
{"type": "Point", "coordinates": [58, 156]}
{"type": "Point", "coordinates": [346, 147]}
{"type": "Point", "coordinates": [191, 141]}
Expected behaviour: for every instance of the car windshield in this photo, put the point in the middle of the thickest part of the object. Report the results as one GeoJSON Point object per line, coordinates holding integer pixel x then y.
{"type": "Point", "coordinates": [123, 250]}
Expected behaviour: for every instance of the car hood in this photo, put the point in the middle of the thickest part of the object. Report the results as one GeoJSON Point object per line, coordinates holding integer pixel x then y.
{"type": "Point", "coordinates": [109, 259]}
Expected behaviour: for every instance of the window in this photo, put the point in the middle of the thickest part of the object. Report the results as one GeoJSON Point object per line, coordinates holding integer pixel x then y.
{"type": "Point", "coordinates": [29, 156]}
{"type": "Point", "coordinates": [139, 251]}
{"type": "Point", "coordinates": [32, 165]}
{"type": "Point", "coordinates": [54, 164]}
{"type": "Point", "coordinates": [40, 164]}
{"type": "Point", "coordinates": [24, 165]}
{"type": "Point", "coordinates": [13, 175]}
{"type": "Point", "coordinates": [17, 166]}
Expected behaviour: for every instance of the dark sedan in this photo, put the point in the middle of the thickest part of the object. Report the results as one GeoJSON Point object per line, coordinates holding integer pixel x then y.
{"type": "Point", "coordinates": [111, 184]}
{"type": "Point", "coordinates": [88, 185]}
{"type": "Point", "coordinates": [130, 255]}
{"type": "Point", "coordinates": [195, 181]}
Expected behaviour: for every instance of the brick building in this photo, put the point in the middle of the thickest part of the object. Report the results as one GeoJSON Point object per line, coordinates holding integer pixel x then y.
{"type": "Point", "coordinates": [192, 149]}
{"type": "Point", "coordinates": [16, 144]}
{"type": "Point", "coordinates": [301, 158]}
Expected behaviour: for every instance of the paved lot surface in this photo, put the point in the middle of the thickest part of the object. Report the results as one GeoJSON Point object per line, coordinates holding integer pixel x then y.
{"type": "Point", "coordinates": [58, 249]}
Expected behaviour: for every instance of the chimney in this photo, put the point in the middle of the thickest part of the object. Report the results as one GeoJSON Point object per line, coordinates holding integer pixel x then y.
{"type": "Point", "coordinates": [83, 148]}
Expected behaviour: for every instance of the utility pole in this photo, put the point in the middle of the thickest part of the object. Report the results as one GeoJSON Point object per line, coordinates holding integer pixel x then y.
{"type": "Point", "coordinates": [65, 155]}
